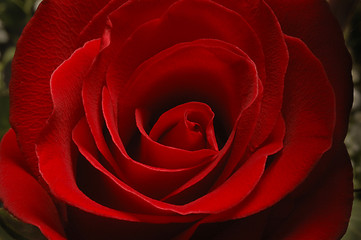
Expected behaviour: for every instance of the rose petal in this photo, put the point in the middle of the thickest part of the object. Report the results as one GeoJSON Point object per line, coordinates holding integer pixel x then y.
{"type": "Point", "coordinates": [156, 154]}
{"type": "Point", "coordinates": [207, 71]}
{"type": "Point", "coordinates": [18, 186]}
{"type": "Point", "coordinates": [95, 27]}
{"type": "Point", "coordinates": [309, 115]}
{"type": "Point", "coordinates": [49, 38]}
{"type": "Point", "coordinates": [131, 15]}
{"type": "Point", "coordinates": [248, 228]}
{"type": "Point", "coordinates": [252, 168]}
{"type": "Point", "coordinates": [323, 211]}
{"type": "Point", "coordinates": [110, 191]}
{"type": "Point", "coordinates": [92, 227]}
{"type": "Point", "coordinates": [188, 126]}
{"type": "Point", "coordinates": [264, 23]}
{"type": "Point", "coordinates": [55, 151]}
{"type": "Point", "coordinates": [322, 34]}
{"type": "Point", "coordinates": [179, 25]}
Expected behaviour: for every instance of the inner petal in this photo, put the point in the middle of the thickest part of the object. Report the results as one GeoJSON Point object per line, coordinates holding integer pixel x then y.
{"type": "Point", "coordinates": [188, 126]}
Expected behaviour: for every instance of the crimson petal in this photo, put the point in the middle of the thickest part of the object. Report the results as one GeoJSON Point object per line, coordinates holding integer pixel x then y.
{"type": "Point", "coordinates": [55, 23]}
{"type": "Point", "coordinates": [266, 26]}
{"type": "Point", "coordinates": [322, 34]}
{"type": "Point", "coordinates": [18, 186]}
{"type": "Point", "coordinates": [323, 210]}
{"type": "Point", "coordinates": [309, 115]}
{"type": "Point", "coordinates": [156, 154]}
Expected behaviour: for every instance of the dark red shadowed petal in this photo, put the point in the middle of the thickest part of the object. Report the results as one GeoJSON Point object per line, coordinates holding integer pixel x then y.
{"type": "Point", "coordinates": [323, 36]}
{"type": "Point", "coordinates": [127, 18]}
{"type": "Point", "coordinates": [244, 130]}
{"type": "Point", "coordinates": [185, 21]}
{"type": "Point", "coordinates": [309, 114]}
{"type": "Point", "coordinates": [118, 193]}
{"type": "Point", "coordinates": [130, 16]}
{"type": "Point", "coordinates": [92, 227]}
{"type": "Point", "coordinates": [22, 195]}
{"type": "Point", "coordinates": [95, 27]}
{"type": "Point", "coordinates": [209, 71]}
{"type": "Point", "coordinates": [323, 209]}
{"type": "Point", "coordinates": [264, 23]}
{"type": "Point", "coordinates": [49, 38]}
{"type": "Point", "coordinates": [247, 228]}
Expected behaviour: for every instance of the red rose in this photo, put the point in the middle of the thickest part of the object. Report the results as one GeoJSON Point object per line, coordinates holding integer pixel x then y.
{"type": "Point", "coordinates": [192, 118]}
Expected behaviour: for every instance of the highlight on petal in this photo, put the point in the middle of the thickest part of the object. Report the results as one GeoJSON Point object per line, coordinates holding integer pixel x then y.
{"type": "Point", "coordinates": [18, 186]}
{"type": "Point", "coordinates": [49, 38]}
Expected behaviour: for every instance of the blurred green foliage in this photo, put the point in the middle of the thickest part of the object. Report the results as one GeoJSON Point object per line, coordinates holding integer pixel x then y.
{"type": "Point", "coordinates": [354, 227]}
{"type": "Point", "coordinates": [353, 139]}
{"type": "Point", "coordinates": [14, 14]}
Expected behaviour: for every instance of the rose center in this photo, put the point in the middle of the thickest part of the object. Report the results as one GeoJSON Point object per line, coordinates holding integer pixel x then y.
{"type": "Point", "coordinates": [188, 126]}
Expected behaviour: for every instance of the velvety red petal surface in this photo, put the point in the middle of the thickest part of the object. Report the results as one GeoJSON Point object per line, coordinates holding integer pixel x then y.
{"type": "Point", "coordinates": [308, 110]}
{"type": "Point", "coordinates": [254, 168]}
{"type": "Point", "coordinates": [323, 208]}
{"type": "Point", "coordinates": [110, 191]}
{"type": "Point", "coordinates": [322, 34]}
{"type": "Point", "coordinates": [55, 151]}
{"type": "Point", "coordinates": [49, 38]}
{"type": "Point", "coordinates": [188, 126]}
{"type": "Point", "coordinates": [93, 227]}
{"type": "Point", "coordinates": [131, 15]}
{"type": "Point", "coordinates": [22, 194]}
{"type": "Point", "coordinates": [244, 179]}
{"type": "Point", "coordinates": [265, 24]}
{"type": "Point", "coordinates": [203, 70]}
{"type": "Point", "coordinates": [178, 24]}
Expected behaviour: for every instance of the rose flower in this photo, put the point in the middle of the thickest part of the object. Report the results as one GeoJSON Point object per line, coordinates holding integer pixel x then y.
{"type": "Point", "coordinates": [161, 119]}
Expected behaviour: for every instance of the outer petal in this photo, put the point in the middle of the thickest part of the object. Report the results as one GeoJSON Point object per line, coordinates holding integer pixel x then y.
{"type": "Point", "coordinates": [313, 22]}
{"type": "Point", "coordinates": [48, 39]}
{"type": "Point", "coordinates": [322, 212]}
{"type": "Point", "coordinates": [18, 186]}
{"type": "Point", "coordinates": [309, 115]}
{"type": "Point", "coordinates": [263, 21]}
